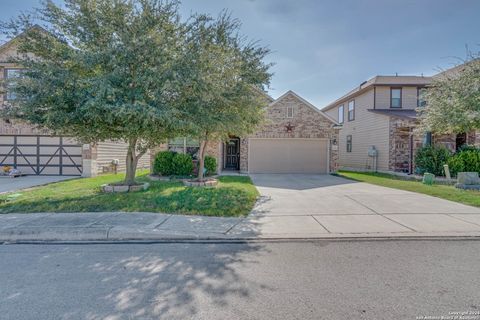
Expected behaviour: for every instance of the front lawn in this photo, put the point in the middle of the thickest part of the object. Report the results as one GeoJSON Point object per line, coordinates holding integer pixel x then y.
{"type": "Point", "coordinates": [468, 197]}
{"type": "Point", "coordinates": [234, 196]}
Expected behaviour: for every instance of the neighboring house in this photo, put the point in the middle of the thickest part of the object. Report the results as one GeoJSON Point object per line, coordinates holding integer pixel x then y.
{"type": "Point", "coordinates": [378, 120]}
{"type": "Point", "coordinates": [296, 138]}
{"type": "Point", "coordinates": [37, 152]}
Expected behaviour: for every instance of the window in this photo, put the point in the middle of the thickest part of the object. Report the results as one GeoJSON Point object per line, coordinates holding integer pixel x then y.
{"type": "Point", "coordinates": [289, 112]}
{"type": "Point", "coordinates": [11, 75]}
{"type": "Point", "coordinates": [349, 143]}
{"type": "Point", "coordinates": [395, 97]}
{"type": "Point", "coordinates": [184, 145]}
{"type": "Point", "coordinates": [427, 139]}
{"type": "Point", "coordinates": [351, 110]}
{"type": "Point", "coordinates": [421, 102]}
{"type": "Point", "coordinates": [340, 114]}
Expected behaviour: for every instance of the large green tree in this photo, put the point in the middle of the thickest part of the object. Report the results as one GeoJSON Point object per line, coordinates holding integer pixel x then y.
{"type": "Point", "coordinates": [101, 69]}
{"type": "Point", "coordinates": [224, 78]}
{"type": "Point", "coordinates": [453, 100]}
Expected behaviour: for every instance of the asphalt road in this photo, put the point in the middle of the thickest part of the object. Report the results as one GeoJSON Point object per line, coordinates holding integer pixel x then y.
{"type": "Point", "coordinates": [295, 280]}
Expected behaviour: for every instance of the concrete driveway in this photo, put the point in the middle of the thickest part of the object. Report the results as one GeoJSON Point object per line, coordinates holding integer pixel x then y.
{"type": "Point", "coordinates": [315, 205]}
{"type": "Point", "coordinates": [14, 184]}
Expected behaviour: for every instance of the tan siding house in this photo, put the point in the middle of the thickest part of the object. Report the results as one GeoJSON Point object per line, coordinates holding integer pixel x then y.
{"type": "Point", "coordinates": [385, 119]}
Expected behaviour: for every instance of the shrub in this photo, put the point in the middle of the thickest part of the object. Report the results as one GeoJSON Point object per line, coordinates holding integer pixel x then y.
{"type": "Point", "coordinates": [431, 159]}
{"type": "Point", "coordinates": [182, 164]}
{"type": "Point", "coordinates": [163, 163]}
{"type": "Point", "coordinates": [466, 160]}
{"type": "Point", "coordinates": [210, 165]}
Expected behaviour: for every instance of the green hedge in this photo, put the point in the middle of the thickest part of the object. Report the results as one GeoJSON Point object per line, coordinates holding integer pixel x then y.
{"type": "Point", "coordinates": [163, 163]}
{"type": "Point", "coordinates": [210, 165]}
{"type": "Point", "coordinates": [466, 160]}
{"type": "Point", "coordinates": [182, 164]}
{"type": "Point", "coordinates": [431, 159]}
{"type": "Point", "coordinates": [168, 163]}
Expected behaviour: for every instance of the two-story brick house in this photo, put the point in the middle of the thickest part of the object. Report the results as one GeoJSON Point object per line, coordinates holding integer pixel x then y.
{"type": "Point", "coordinates": [378, 120]}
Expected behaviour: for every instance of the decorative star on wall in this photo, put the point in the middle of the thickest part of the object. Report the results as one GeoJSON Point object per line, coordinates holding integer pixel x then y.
{"type": "Point", "coordinates": [289, 127]}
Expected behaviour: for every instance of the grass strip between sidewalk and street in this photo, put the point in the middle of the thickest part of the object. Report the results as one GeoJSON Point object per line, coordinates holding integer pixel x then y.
{"type": "Point", "coordinates": [468, 197]}
{"type": "Point", "coordinates": [234, 196]}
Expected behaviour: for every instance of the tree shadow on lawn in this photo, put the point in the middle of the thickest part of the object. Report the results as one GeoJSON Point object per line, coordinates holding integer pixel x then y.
{"type": "Point", "coordinates": [165, 198]}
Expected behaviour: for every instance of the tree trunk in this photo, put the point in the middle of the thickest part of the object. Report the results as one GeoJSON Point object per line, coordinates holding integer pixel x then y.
{"type": "Point", "coordinates": [131, 163]}
{"type": "Point", "coordinates": [201, 159]}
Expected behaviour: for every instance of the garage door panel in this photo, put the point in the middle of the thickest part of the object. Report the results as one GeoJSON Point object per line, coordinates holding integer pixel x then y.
{"type": "Point", "coordinates": [5, 149]}
{"type": "Point", "coordinates": [71, 171]}
{"type": "Point", "coordinates": [50, 140]}
{"type": "Point", "coordinates": [26, 140]}
{"type": "Point", "coordinates": [73, 150]}
{"type": "Point", "coordinates": [7, 140]}
{"type": "Point", "coordinates": [26, 169]}
{"type": "Point", "coordinates": [288, 156]}
{"type": "Point", "coordinates": [27, 150]}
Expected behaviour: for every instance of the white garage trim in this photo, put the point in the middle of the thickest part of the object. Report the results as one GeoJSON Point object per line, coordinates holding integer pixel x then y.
{"type": "Point", "coordinates": [327, 153]}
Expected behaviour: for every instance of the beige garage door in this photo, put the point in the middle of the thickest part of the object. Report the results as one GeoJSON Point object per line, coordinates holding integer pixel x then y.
{"type": "Point", "coordinates": [288, 156]}
{"type": "Point", "coordinates": [41, 155]}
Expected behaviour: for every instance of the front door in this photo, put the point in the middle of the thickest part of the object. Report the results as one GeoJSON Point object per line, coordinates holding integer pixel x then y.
{"type": "Point", "coordinates": [232, 154]}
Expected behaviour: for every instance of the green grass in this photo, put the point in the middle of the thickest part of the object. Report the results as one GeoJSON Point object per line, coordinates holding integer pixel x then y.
{"type": "Point", "coordinates": [468, 197]}
{"type": "Point", "coordinates": [234, 196]}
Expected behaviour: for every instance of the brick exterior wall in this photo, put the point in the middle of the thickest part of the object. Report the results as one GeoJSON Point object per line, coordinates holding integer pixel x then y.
{"type": "Point", "coordinates": [399, 145]}
{"type": "Point", "coordinates": [307, 123]}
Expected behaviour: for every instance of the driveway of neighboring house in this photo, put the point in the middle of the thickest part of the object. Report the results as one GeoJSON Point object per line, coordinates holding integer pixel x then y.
{"type": "Point", "coordinates": [297, 204]}
{"type": "Point", "coordinates": [8, 184]}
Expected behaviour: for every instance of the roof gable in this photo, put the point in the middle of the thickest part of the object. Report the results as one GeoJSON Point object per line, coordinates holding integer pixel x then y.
{"type": "Point", "coordinates": [305, 102]}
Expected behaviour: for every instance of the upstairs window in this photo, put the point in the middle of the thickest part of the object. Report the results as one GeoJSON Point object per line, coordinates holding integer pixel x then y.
{"type": "Point", "coordinates": [289, 112]}
{"type": "Point", "coordinates": [395, 97]}
{"type": "Point", "coordinates": [11, 76]}
{"type": "Point", "coordinates": [340, 114]}
{"type": "Point", "coordinates": [349, 143]}
{"type": "Point", "coordinates": [351, 110]}
{"type": "Point", "coordinates": [421, 102]}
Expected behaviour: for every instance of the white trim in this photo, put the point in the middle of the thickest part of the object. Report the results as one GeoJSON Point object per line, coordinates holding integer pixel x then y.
{"type": "Point", "coordinates": [328, 156]}
{"type": "Point", "coordinates": [308, 104]}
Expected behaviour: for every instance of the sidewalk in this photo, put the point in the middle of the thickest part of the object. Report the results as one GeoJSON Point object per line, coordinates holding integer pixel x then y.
{"type": "Point", "coordinates": [153, 226]}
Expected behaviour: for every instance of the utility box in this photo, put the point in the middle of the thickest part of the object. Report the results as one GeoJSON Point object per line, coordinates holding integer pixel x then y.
{"type": "Point", "coordinates": [372, 151]}
{"type": "Point", "coordinates": [428, 178]}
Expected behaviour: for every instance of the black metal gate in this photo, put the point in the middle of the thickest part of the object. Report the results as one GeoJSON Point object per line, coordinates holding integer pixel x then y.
{"type": "Point", "coordinates": [41, 155]}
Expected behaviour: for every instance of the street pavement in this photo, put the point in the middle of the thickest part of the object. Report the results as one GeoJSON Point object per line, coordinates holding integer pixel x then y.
{"type": "Point", "coordinates": [252, 280]}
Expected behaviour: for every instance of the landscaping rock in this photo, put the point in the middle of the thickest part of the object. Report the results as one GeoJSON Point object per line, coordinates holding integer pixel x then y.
{"type": "Point", "coordinates": [210, 183]}
{"type": "Point", "coordinates": [468, 181]}
{"type": "Point", "coordinates": [122, 189]}
{"type": "Point", "coordinates": [468, 178]}
{"type": "Point", "coordinates": [158, 178]}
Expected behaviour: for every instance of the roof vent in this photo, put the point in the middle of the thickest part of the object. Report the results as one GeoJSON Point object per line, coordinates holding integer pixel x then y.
{"type": "Point", "coordinates": [361, 84]}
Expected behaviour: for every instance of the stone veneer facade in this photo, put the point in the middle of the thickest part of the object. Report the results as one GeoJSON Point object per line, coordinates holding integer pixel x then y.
{"type": "Point", "coordinates": [308, 122]}
{"type": "Point", "coordinates": [402, 133]}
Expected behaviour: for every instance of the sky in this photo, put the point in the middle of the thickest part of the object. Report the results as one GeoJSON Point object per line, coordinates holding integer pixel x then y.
{"type": "Point", "coordinates": [324, 48]}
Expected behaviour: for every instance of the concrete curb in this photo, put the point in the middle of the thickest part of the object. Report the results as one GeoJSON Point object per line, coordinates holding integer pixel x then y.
{"type": "Point", "coordinates": [101, 235]}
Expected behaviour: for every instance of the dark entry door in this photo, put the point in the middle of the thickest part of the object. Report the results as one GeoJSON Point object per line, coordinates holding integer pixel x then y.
{"type": "Point", "coordinates": [232, 154]}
